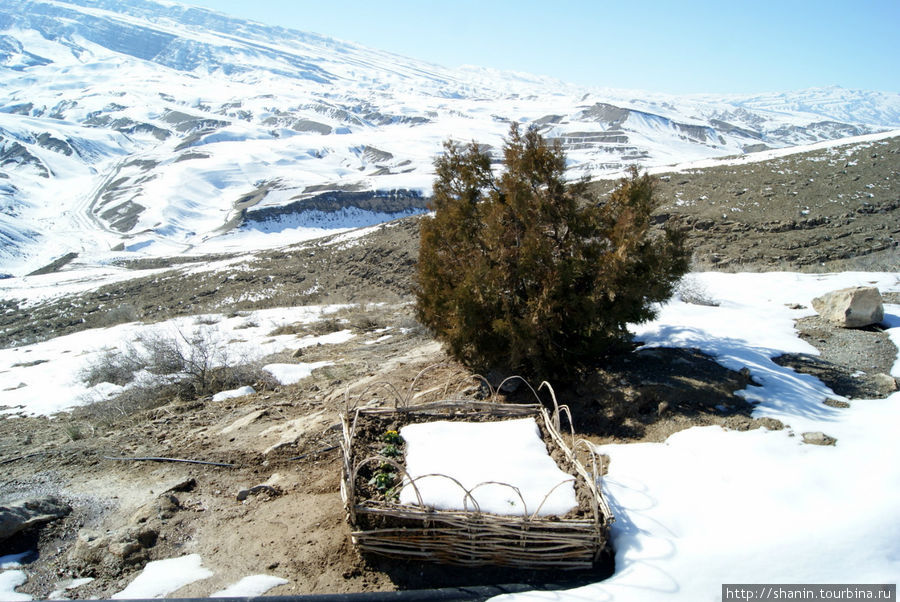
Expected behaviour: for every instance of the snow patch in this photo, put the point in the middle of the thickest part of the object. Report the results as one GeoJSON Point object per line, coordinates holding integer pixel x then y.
{"type": "Point", "coordinates": [288, 374]}
{"type": "Point", "coordinates": [45, 378]}
{"type": "Point", "coordinates": [162, 577]}
{"type": "Point", "coordinates": [9, 581]}
{"type": "Point", "coordinates": [254, 585]}
{"type": "Point", "coordinates": [233, 393]}
{"type": "Point", "coordinates": [710, 506]}
{"type": "Point", "coordinates": [486, 458]}
{"type": "Point", "coordinates": [13, 561]}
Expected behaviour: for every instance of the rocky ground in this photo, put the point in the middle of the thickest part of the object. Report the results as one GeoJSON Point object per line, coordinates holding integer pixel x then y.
{"type": "Point", "coordinates": [830, 210]}
{"type": "Point", "coordinates": [273, 506]}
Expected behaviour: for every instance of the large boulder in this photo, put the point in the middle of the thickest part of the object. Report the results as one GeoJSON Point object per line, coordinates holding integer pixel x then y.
{"type": "Point", "coordinates": [25, 514]}
{"type": "Point", "coordinates": [852, 307]}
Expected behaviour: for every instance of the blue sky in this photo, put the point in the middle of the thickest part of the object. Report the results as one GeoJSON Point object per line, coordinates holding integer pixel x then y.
{"type": "Point", "coordinates": [724, 46]}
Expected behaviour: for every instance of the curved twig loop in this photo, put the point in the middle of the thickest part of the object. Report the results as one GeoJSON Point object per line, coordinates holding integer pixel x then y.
{"type": "Point", "coordinates": [514, 377]}
{"type": "Point", "coordinates": [396, 465]}
{"type": "Point", "coordinates": [549, 493]}
{"type": "Point", "coordinates": [513, 487]}
{"type": "Point", "coordinates": [594, 483]}
{"type": "Point", "coordinates": [395, 393]}
{"type": "Point", "coordinates": [477, 377]}
{"type": "Point", "coordinates": [467, 494]}
{"type": "Point", "coordinates": [555, 403]}
{"type": "Point", "coordinates": [412, 386]}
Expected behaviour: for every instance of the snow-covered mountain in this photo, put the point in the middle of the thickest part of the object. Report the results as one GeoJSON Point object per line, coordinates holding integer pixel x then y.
{"type": "Point", "coordinates": [136, 126]}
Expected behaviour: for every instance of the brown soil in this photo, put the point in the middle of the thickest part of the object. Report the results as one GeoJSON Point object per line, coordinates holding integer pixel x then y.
{"type": "Point", "coordinates": [285, 438]}
{"type": "Point", "coordinates": [829, 210]}
{"type": "Point", "coordinates": [295, 527]}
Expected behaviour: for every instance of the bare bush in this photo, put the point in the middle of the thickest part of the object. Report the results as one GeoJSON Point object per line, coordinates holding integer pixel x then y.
{"type": "Point", "coordinates": [113, 366]}
{"type": "Point", "coordinates": [691, 290]}
{"type": "Point", "coordinates": [302, 329]}
{"type": "Point", "coordinates": [326, 326]}
{"type": "Point", "coordinates": [161, 366]}
{"type": "Point", "coordinates": [111, 317]}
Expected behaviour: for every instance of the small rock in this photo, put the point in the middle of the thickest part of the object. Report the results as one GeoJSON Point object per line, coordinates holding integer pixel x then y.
{"type": "Point", "coordinates": [167, 505]}
{"type": "Point", "coordinates": [147, 537]}
{"type": "Point", "coordinates": [510, 385]}
{"type": "Point", "coordinates": [184, 486]}
{"type": "Point", "coordinates": [818, 438]}
{"type": "Point", "coordinates": [662, 408]}
{"type": "Point", "coordinates": [834, 403]}
{"type": "Point", "coordinates": [243, 494]}
{"type": "Point", "coordinates": [773, 424]}
{"type": "Point", "coordinates": [128, 551]}
{"type": "Point", "coordinates": [853, 307]}
{"type": "Point", "coordinates": [297, 353]}
{"type": "Point", "coordinates": [885, 382]}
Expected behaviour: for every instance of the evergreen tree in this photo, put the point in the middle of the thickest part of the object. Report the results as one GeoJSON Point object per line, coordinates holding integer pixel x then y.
{"type": "Point", "coordinates": [527, 273]}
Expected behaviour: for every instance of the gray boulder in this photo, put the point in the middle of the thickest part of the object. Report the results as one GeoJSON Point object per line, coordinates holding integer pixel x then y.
{"type": "Point", "coordinates": [853, 307]}
{"type": "Point", "coordinates": [818, 438]}
{"type": "Point", "coordinates": [886, 383]}
{"type": "Point", "coordinates": [25, 514]}
{"type": "Point", "coordinates": [110, 552]}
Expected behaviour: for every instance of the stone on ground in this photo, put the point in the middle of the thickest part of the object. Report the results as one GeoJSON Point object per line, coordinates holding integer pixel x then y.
{"type": "Point", "coordinates": [853, 307]}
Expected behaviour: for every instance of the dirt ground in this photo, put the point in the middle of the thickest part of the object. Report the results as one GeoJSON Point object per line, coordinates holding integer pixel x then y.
{"type": "Point", "coordinates": [275, 507]}
{"type": "Point", "coordinates": [829, 210]}
{"type": "Point", "coordinates": [294, 527]}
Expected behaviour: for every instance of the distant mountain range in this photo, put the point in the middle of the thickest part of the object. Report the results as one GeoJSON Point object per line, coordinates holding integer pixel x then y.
{"type": "Point", "coordinates": [141, 127]}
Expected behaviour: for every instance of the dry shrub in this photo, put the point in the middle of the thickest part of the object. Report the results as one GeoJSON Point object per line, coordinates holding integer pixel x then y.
{"type": "Point", "coordinates": [160, 367]}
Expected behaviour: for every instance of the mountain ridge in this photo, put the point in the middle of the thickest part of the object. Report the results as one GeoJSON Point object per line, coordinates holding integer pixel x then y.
{"type": "Point", "coordinates": [149, 123]}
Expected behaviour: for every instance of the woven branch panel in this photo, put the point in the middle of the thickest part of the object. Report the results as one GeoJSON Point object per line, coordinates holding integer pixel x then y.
{"type": "Point", "coordinates": [381, 525]}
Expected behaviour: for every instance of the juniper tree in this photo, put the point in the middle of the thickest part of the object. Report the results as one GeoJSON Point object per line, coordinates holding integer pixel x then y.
{"type": "Point", "coordinates": [526, 272]}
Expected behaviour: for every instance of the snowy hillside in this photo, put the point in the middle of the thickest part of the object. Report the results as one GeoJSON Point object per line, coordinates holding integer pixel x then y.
{"type": "Point", "coordinates": [141, 127]}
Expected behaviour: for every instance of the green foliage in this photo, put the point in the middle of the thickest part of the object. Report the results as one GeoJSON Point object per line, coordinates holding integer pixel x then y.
{"type": "Point", "coordinates": [527, 273]}
{"type": "Point", "coordinates": [383, 480]}
{"type": "Point", "coordinates": [391, 451]}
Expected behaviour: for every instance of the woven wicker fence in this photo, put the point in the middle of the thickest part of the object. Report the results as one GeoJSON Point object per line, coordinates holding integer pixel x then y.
{"type": "Point", "coordinates": [470, 537]}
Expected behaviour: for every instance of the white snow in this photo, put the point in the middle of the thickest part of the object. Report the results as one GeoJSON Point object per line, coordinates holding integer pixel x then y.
{"type": "Point", "coordinates": [45, 378]}
{"type": "Point", "coordinates": [710, 506]}
{"type": "Point", "coordinates": [754, 323]}
{"type": "Point", "coordinates": [288, 374]}
{"type": "Point", "coordinates": [162, 577]}
{"type": "Point", "coordinates": [9, 581]}
{"type": "Point", "coordinates": [254, 585]}
{"type": "Point", "coordinates": [491, 461]}
{"type": "Point", "coordinates": [158, 579]}
{"type": "Point", "coordinates": [333, 338]}
{"type": "Point", "coordinates": [13, 561]}
{"type": "Point", "coordinates": [892, 320]}
{"type": "Point", "coordinates": [775, 153]}
{"type": "Point", "coordinates": [66, 585]}
{"type": "Point", "coordinates": [233, 393]}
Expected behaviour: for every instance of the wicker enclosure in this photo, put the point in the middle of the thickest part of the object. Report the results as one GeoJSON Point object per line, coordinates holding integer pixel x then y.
{"type": "Point", "coordinates": [381, 525]}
